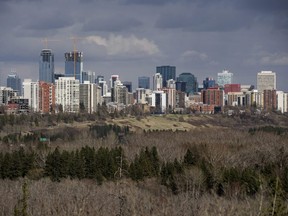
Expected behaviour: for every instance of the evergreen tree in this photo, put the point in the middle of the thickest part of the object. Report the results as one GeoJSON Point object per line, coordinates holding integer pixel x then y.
{"type": "Point", "coordinates": [53, 165]}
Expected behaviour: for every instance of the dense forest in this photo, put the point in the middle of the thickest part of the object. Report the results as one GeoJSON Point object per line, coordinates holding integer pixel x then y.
{"type": "Point", "coordinates": [107, 169]}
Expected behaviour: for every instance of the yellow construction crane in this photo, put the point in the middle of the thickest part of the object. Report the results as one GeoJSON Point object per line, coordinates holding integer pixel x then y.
{"type": "Point", "coordinates": [75, 41]}
{"type": "Point", "coordinates": [46, 40]}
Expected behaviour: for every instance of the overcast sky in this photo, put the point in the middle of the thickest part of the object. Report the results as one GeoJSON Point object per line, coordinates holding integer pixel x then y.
{"type": "Point", "coordinates": [131, 37]}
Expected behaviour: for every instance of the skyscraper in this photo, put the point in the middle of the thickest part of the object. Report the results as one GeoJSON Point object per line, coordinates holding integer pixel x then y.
{"type": "Point", "coordinates": [224, 78]}
{"type": "Point", "coordinates": [266, 80]}
{"type": "Point", "coordinates": [14, 82]}
{"type": "Point", "coordinates": [46, 66]}
{"type": "Point", "coordinates": [88, 76]}
{"type": "Point", "coordinates": [191, 82]}
{"type": "Point", "coordinates": [128, 85]}
{"type": "Point", "coordinates": [157, 82]}
{"type": "Point", "coordinates": [144, 82]}
{"type": "Point", "coordinates": [74, 65]}
{"type": "Point", "coordinates": [113, 82]}
{"type": "Point", "coordinates": [167, 72]}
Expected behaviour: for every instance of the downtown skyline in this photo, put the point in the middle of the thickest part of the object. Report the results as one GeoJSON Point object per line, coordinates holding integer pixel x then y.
{"type": "Point", "coordinates": [131, 37]}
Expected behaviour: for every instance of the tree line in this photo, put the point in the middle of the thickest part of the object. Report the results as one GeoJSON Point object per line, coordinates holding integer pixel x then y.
{"type": "Point", "coordinates": [104, 164]}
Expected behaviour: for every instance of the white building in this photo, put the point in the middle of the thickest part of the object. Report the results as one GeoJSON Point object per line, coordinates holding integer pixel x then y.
{"type": "Point", "coordinates": [159, 101]}
{"type": "Point", "coordinates": [266, 80]}
{"type": "Point", "coordinates": [121, 94]}
{"type": "Point", "coordinates": [140, 96]}
{"type": "Point", "coordinates": [104, 87]}
{"type": "Point", "coordinates": [31, 92]}
{"type": "Point", "coordinates": [6, 93]}
{"type": "Point", "coordinates": [170, 97]}
{"type": "Point", "coordinates": [67, 93]}
{"type": "Point", "coordinates": [90, 96]}
{"type": "Point", "coordinates": [224, 78]}
{"type": "Point", "coordinates": [281, 101]}
{"type": "Point", "coordinates": [171, 84]}
{"type": "Point", "coordinates": [157, 82]}
{"type": "Point", "coordinates": [236, 99]}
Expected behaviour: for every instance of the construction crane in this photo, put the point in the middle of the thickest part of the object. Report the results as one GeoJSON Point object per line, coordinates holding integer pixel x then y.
{"type": "Point", "coordinates": [46, 40]}
{"type": "Point", "coordinates": [75, 41]}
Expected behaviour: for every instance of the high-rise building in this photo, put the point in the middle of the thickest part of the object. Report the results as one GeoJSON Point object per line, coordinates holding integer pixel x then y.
{"type": "Point", "coordinates": [104, 87]}
{"type": "Point", "coordinates": [46, 66]}
{"type": "Point", "coordinates": [170, 98]}
{"type": "Point", "coordinates": [46, 97]}
{"type": "Point", "coordinates": [121, 94]}
{"type": "Point", "coordinates": [167, 72]}
{"type": "Point", "coordinates": [209, 83]}
{"type": "Point", "coordinates": [88, 76]}
{"type": "Point", "coordinates": [114, 80]}
{"type": "Point", "coordinates": [14, 82]}
{"type": "Point", "coordinates": [57, 75]}
{"type": "Point", "coordinates": [6, 93]}
{"type": "Point", "coordinates": [181, 86]}
{"type": "Point", "coordinates": [90, 96]}
{"type": "Point", "coordinates": [74, 65]}
{"type": "Point", "coordinates": [144, 82]}
{"type": "Point", "coordinates": [31, 92]}
{"type": "Point", "coordinates": [224, 78]}
{"type": "Point", "coordinates": [157, 82]}
{"type": "Point", "coordinates": [213, 96]}
{"type": "Point", "coordinates": [191, 82]}
{"type": "Point", "coordinates": [141, 96]}
{"type": "Point", "coordinates": [159, 101]}
{"type": "Point", "coordinates": [282, 101]}
{"type": "Point", "coordinates": [171, 84]}
{"type": "Point", "coordinates": [99, 78]}
{"type": "Point", "coordinates": [67, 94]}
{"type": "Point", "coordinates": [269, 99]}
{"type": "Point", "coordinates": [128, 85]}
{"type": "Point", "coordinates": [266, 80]}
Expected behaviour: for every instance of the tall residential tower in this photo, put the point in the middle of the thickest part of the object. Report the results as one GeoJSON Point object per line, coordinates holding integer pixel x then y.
{"type": "Point", "coordinates": [46, 66]}
{"type": "Point", "coordinates": [266, 80]}
{"type": "Point", "coordinates": [74, 65]}
{"type": "Point", "coordinates": [224, 78]}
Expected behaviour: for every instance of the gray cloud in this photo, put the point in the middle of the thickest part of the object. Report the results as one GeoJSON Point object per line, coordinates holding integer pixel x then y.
{"type": "Point", "coordinates": [203, 20]}
{"type": "Point", "coordinates": [111, 24]}
{"type": "Point", "coordinates": [151, 2]}
{"type": "Point", "coordinates": [50, 22]}
{"type": "Point", "coordinates": [199, 36]}
{"type": "Point", "coordinates": [263, 5]}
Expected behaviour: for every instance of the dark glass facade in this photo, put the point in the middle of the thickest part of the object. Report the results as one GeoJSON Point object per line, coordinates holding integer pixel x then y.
{"type": "Point", "coordinates": [46, 66]}
{"type": "Point", "coordinates": [167, 72]}
{"type": "Point", "coordinates": [191, 82]}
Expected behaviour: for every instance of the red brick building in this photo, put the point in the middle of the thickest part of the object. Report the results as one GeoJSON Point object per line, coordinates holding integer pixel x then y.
{"type": "Point", "coordinates": [46, 97]}
{"type": "Point", "coordinates": [232, 88]}
{"type": "Point", "coordinates": [213, 96]}
{"type": "Point", "coordinates": [270, 100]}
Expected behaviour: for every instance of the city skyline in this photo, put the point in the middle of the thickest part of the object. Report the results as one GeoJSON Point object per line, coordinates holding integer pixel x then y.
{"type": "Point", "coordinates": [200, 37]}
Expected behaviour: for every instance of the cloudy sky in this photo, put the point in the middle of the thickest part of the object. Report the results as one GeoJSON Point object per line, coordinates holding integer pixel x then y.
{"type": "Point", "coordinates": [132, 37]}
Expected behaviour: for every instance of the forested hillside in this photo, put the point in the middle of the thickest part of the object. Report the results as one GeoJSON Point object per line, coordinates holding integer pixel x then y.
{"type": "Point", "coordinates": [219, 166]}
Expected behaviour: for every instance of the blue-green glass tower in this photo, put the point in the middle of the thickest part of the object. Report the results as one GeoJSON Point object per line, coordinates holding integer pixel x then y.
{"type": "Point", "coordinates": [46, 66]}
{"type": "Point", "coordinates": [74, 65]}
{"type": "Point", "coordinates": [191, 82]}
